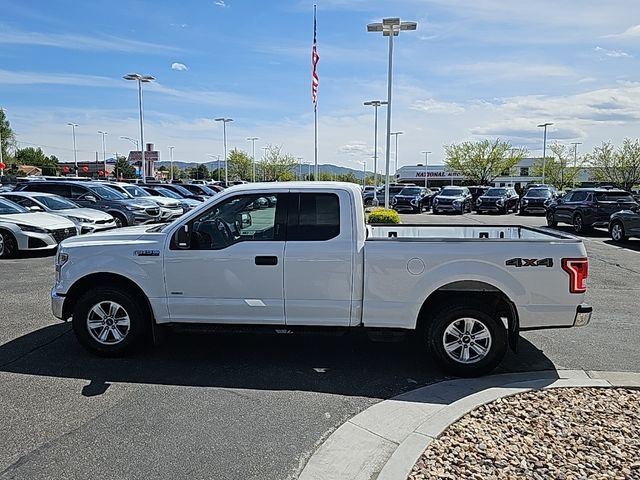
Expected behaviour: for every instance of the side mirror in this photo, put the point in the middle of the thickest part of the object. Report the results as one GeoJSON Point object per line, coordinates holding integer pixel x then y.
{"type": "Point", "coordinates": [183, 237]}
{"type": "Point", "coordinates": [36, 208]}
{"type": "Point", "coordinates": [90, 198]}
{"type": "Point", "coordinates": [246, 220]}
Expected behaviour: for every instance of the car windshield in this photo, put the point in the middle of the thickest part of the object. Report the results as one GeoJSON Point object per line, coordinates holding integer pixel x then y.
{"type": "Point", "coordinates": [108, 193]}
{"type": "Point", "coordinates": [411, 191]}
{"type": "Point", "coordinates": [207, 190]}
{"type": "Point", "coordinates": [136, 191]}
{"type": "Point", "coordinates": [538, 193]}
{"type": "Point", "coordinates": [451, 192]}
{"type": "Point", "coordinates": [496, 192]}
{"type": "Point", "coordinates": [168, 193]}
{"type": "Point", "coordinates": [9, 208]}
{"type": "Point", "coordinates": [56, 203]}
{"type": "Point", "coordinates": [614, 196]}
{"type": "Point", "coordinates": [182, 190]}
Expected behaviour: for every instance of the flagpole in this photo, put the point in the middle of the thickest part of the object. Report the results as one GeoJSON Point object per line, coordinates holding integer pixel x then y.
{"type": "Point", "coordinates": [315, 103]}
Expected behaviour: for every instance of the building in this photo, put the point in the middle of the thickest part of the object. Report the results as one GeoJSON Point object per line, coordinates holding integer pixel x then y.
{"type": "Point", "coordinates": [150, 157]}
{"type": "Point", "coordinates": [441, 175]}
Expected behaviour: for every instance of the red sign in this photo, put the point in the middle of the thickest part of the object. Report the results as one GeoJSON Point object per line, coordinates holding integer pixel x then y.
{"type": "Point", "coordinates": [66, 169]}
{"type": "Point", "coordinates": [2, 166]}
{"type": "Point", "coordinates": [85, 169]}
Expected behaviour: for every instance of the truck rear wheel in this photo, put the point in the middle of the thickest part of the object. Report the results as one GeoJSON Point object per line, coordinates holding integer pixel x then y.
{"type": "Point", "coordinates": [109, 322]}
{"type": "Point", "coordinates": [465, 340]}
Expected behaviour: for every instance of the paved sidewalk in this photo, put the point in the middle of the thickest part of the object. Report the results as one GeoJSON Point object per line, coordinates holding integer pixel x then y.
{"type": "Point", "coordinates": [384, 441]}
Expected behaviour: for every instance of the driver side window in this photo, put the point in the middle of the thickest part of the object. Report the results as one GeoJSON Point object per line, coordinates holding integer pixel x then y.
{"type": "Point", "coordinates": [237, 219]}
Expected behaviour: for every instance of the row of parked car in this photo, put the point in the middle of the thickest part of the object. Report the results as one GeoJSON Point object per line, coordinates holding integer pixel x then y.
{"type": "Point", "coordinates": [37, 214]}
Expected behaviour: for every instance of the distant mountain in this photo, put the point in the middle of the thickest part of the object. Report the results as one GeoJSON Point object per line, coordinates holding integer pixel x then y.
{"type": "Point", "coordinates": [324, 168]}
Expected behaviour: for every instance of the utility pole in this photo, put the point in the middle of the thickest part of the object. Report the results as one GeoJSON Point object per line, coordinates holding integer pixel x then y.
{"type": "Point", "coordinates": [544, 149]}
{"type": "Point", "coordinates": [575, 162]}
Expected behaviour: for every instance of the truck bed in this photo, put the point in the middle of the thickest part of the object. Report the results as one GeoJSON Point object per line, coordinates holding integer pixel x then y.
{"type": "Point", "coordinates": [444, 233]}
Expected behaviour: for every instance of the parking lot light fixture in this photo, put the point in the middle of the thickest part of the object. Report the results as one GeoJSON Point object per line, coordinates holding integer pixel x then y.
{"type": "Point", "coordinates": [426, 169]}
{"type": "Point", "coordinates": [171, 162]}
{"type": "Point", "coordinates": [395, 134]}
{"type": "Point", "coordinates": [253, 156]}
{"type": "Point", "coordinates": [104, 151]}
{"type": "Point", "coordinates": [575, 162]}
{"type": "Point", "coordinates": [75, 150]}
{"type": "Point", "coordinates": [375, 104]}
{"type": "Point", "coordinates": [224, 139]}
{"type": "Point", "coordinates": [141, 79]}
{"type": "Point", "coordinates": [390, 27]}
{"type": "Point", "coordinates": [544, 148]}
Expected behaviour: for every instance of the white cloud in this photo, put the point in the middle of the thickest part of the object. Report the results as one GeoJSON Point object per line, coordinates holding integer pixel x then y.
{"type": "Point", "coordinates": [82, 42]}
{"type": "Point", "coordinates": [179, 67]}
{"type": "Point", "coordinates": [491, 71]}
{"type": "Point", "coordinates": [612, 53]}
{"type": "Point", "coordinates": [356, 148]}
{"type": "Point", "coordinates": [434, 106]}
{"type": "Point", "coordinates": [221, 3]}
{"type": "Point", "coordinates": [631, 32]}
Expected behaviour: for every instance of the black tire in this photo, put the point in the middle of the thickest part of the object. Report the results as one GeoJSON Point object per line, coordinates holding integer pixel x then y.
{"type": "Point", "coordinates": [551, 220]}
{"type": "Point", "coordinates": [617, 233]}
{"type": "Point", "coordinates": [8, 245]}
{"type": "Point", "coordinates": [121, 220]}
{"type": "Point", "coordinates": [578, 223]}
{"type": "Point", "coordinates": [137, 314]}
{"type": "Point", "coordinates": [448, 315]}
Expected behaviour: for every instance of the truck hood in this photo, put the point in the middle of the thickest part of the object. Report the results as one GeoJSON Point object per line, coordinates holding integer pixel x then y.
{"type": "Point", "coordinates": [41, 220]}
{"type": "Point", "coordinates": [127, 234]}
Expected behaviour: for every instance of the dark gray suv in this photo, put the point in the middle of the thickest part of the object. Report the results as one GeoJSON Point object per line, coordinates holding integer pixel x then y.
{"type": "Point", "coordinates": [99, 196]}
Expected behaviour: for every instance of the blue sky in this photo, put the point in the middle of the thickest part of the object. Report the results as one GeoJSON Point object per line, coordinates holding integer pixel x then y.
{"type": "Point", "coordinates": [473, 69]}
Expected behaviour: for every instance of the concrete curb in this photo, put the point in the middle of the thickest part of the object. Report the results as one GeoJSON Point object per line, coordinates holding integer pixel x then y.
{"type": "Point", "coordinates": [384, 441]}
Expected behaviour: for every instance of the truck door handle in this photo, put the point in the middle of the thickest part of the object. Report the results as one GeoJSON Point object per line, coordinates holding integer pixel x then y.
{"type": "Point", "coordinates": [266, 260]}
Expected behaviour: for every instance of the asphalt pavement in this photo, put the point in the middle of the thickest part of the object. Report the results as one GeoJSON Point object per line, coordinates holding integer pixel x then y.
{"type": "Point", "coordinates": [205, 406]}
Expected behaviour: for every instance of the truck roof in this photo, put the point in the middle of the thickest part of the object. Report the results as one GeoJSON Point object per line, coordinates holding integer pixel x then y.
{"type": "Point", "coordinates": [248, 187]}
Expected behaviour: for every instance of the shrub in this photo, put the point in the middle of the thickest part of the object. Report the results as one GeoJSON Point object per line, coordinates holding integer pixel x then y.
{"type": "Point", "coordinates": [383, 215]}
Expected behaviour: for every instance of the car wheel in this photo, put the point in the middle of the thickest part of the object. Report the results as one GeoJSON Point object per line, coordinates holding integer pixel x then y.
{"type": "Point", "coordinates": [551, 220]}
{"type": "Point", "coordinates": [465, 340]}
{"type": "Point", "coordinates": [578, 223]}
{"type": "Point", "coordinates": [617, 232]}
{"type": "Point", "coordinates": [121, 220]}
{"type": "Point", "coordinates": [8, 245]}
{"type": "Point", "coordinates": [109, 322]}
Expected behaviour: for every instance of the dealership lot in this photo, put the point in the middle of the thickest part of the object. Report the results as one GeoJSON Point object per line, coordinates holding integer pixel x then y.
{"type": "Point", "coordinates": [186, 409]}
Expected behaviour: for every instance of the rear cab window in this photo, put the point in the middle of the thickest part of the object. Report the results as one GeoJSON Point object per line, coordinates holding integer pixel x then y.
{"type": "Point", "coordinates": [313, 217]}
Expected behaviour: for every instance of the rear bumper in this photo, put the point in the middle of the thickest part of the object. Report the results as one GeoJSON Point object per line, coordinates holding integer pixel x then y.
{"type": "Point", "coordinates": [57, 305]}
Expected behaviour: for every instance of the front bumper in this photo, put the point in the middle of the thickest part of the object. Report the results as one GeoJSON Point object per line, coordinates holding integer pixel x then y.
{"type": "Point", "coordinates": [489, 208]}
{"type": "Point", "coordinates": [583, 315]}
{"type": "Point", "coordinates": [168, 214]}
{"type": "Point", "coordinates": [533, 208]}
{"type": "Point", "coordinates": [57, 305]}
{"type": "Point", "coordinates": [447, 208]}
{"type": "Point", "coordinates": [96, 227]}
{"type": "Point", "coordinates": [141, 217]}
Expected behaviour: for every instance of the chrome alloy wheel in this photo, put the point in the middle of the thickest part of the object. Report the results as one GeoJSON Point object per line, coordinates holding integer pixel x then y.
{"type": "Point", "coordinates": [616, 232]}
{"type": "Point", "coordinates": [467, 340]}
{"type": "Point", "coordinates": [1, 245]}
{"type": "Point", "coordinates": [108, 322]}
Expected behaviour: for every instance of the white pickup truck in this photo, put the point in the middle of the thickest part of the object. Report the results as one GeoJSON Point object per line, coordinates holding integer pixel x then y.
{"type": "Point", "coordinates": [298, 256]}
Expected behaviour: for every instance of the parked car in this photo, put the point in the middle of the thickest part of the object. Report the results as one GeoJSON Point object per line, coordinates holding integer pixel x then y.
{"type": "Point", "coordinates": [467, 297]}
{"type": "Point", "coordinates": [452, 199]}
{"type": "Point", "coordinates": [201, 190]}
{"type": "Point", "coordinates": [380, 193]}
{"type": "Point", "coordinates": [536, 200]}
{"type": "Point", "coordinates": [477, 192]}
{"type": "Point", "coordinates": [88, 219]}
{"type": "Point", "coordinates": [186, 203]}
{"type": "Point", "coordinates": [24, 230]}
{"type": "Point", "coordinates": [624, 224]}
{"type": "Point", "coordinates": [98, 195]}
{"type": "Point", "coordinates": [584, 208]}
{"type": "Point", "coordinates": [498, 200]}
{"type": "Point", "coordinates": [169, 209]}
{"type": "Point", "coordinates": [414, 199]}
{"type": "Point", "coordinates": [180, 190]}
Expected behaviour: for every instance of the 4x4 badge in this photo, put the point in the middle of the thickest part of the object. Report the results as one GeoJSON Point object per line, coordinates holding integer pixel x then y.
{"type": "Point", "coordinates": [529, 262]}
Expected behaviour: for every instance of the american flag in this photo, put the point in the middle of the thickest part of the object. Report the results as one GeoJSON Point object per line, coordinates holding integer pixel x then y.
{"type": "Point", "coordinates": [314, 60]}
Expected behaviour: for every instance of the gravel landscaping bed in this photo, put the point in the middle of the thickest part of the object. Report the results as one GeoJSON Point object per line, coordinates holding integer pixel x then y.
{"type": "Point", "coordinates": [563, 434]}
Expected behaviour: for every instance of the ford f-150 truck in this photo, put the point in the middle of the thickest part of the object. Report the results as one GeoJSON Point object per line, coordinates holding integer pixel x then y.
{"type": "Point", "coordinates": [299, 257]}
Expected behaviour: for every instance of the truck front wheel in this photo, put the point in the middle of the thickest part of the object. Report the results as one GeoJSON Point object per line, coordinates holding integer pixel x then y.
{"type": "Point", "coordinates": [109, 322]}
{"type": "Point", "coordinates": [466, 341]}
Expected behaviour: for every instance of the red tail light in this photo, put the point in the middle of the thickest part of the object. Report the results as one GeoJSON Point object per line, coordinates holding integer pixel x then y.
{"type": "Point", "coordinates": [578, 270]}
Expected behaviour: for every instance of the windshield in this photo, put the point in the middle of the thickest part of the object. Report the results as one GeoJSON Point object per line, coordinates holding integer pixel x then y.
{"type": "Point", "coordinates": [614, 196]}
{"type": "Point", "coordinates": [538, 193]}
{"type": "Point", "coordinates": [56, 203]}
{"type": "Point", "coordinates": [411, 191]}
{"type": "Point", "coordinates": [168, 193]}
{"type": "Point", "coordinates": [136, 191]}
{"type": "Point", "coordinates": [451, 192]}
{"type": "Point", "coordinates": [182, 190]}
{"type": "Point", "coordinates": [496, 192]}
{"type": "Point", "coordinates": [108, 193]}
{"type": "Point", "coordinates": [206, 190]}
{"type": "Point", "coordinates": [9, 208]}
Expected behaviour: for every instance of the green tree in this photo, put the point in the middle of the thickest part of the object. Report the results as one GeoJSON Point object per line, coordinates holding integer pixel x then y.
{"type": "Point", "coordinates": [7, 138]}
{"type": "Point", "coordinates": [240, 165]}
{"type": "Point", "coordinates": [124, 169]}
{"type": "Point", "coordinates": [201, 172]}
{"type": "Point", "coordinates": [484, 160]}
{"type": "Point", "coordinates": [559, 170]}
{"type": "Point", "coordinates": [277, 166]}
{"type": "Point", "coordinates": [35, 157]}
{"type": "Point", "coordinates": [619, 166]}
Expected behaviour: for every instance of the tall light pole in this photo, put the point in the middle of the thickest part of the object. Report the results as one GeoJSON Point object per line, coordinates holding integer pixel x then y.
{"type": "Point", "coordinates": [253, 155]}
{"type": "Point", "coordinates": [224, 139]}
{"type": "Point", "coordinates": [390, 27]}
{"type": "Point", "coordinates": [364, 172]}
{"type": "Point", "coordinates": [2, 110]}
{"type": "Point", "coordinates": [141, 79]}
{"type": "Point", "coordinates": [544, 149]}
{"type": "Point", "coordinates": [396, 155]}
{"type": "Point", "coordinates": [132, 140]}
{"type": "Point", "coordinates": [171, 162]}
{"type": "Point", "coordinates": [299, 168]}
{"type": "Point", "coordinates": [104, 151]}
{"type": "Point", "coordinates": [375, 104]}
{"type": "Point", "coordinates": [575, 162]}
{"type": "Point", "coordinates": [217, 157]}
{"type": "Point", "coordinates": [426, 169]}
{"type": "Point", "coordinates": [75, 151]}
{"type": "Point", "coordinates": [264, 157]}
